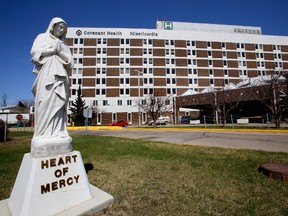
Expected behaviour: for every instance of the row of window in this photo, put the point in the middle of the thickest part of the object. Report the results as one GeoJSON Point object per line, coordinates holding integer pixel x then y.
{"type": "Point", "coordinates": [169, 61]}
{"type": "Point", "coordinates": [169, 71]}
{"type": "Point", "coordinates": [171, 52]}
{"type": "Point", "coordinates": [129, 102]}
{"type": "Point", "coordinates": [189, 43]}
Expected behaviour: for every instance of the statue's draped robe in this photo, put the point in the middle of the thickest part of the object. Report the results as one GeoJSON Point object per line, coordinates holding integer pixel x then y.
{"type": "Point", "coordinates": [50, 88]}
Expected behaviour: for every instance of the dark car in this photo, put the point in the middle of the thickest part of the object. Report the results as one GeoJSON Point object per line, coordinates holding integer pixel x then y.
{"type": "Point", "coordinates": [120, 123]}
{"type": "Point", "coordinates": [185, 120]}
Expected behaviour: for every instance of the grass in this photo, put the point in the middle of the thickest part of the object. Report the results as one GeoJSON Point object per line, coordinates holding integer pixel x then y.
{"type": "Point", "coordinates": [154, 178]}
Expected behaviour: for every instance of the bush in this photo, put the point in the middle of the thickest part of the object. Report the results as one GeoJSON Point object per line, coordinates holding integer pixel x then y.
{"type": "Point", "coordinates": [2, 130]}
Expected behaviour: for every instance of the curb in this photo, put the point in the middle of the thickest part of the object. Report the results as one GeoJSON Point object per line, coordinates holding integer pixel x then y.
{"type": "Point", "coordinates": [214, 130]}
{"type": "Point", "coordinates": [92, 128]}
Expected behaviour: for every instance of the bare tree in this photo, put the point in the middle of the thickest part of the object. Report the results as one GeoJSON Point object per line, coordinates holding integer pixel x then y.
{"type": "Point", "coordinates": [274, 95]}
{"type": "Point", "coordinates": [3, 100]}
{"type": "Point", "coordinates": [222, 102]}
{"type": "Point", "coordinates": [227, 101]}
{"type": "Point", "coordinates": [155, 105]}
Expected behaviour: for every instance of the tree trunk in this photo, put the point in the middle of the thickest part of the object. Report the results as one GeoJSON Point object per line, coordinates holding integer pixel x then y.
{"type": "Point", "coordinates": [277, 121]}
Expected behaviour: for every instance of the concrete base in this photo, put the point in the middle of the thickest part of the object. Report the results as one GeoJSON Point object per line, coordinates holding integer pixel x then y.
{"type": "Point", "coordinates": [51, 185]}
{"type": "Point", "coordinates": [99, 201]}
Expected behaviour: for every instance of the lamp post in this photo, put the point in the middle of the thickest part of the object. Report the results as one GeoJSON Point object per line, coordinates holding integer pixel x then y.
{"type": "Point", "coordinates": [139, 114]}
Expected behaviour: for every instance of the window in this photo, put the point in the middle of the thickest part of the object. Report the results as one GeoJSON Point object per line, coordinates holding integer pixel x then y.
{"type": "Point", "coordinates": [240, 45]}
{"type": "Point", "coordinates": [169, 42]}
{"type": "Point", "coordinates": [105, 103]}
{"type": "Point", "coordinates": [223, 45]}
{"type": "Point", "coordinates": [124, 51]}
{"type": "Point", "coordinates": [261, 73]}
{"type": "Point", "coordinates": [119, 102]}
{"type": "Point", "coordinates": [258, 46]}
{"type": "Point", "coordinates": [125, 41]}
{"type": "Point", "coordinates": [147, 41]}
{"type": "Point", "coordinates": [241, 54]}
{"type": "Point", "coordinates": [129, 102]}
{"type": "Point", "coordinates": [211, 72]}
{"type": "Point", "coordinates": [226, 72]}
{"type": "Point", "coordinates": [101, 41]}
{"type": "Point", "coordinates": [242, 72]}
{"type": "Point", "coordinates": [190, 43]}
{"type": "Point", "coordinates": [276, 47]}
{"type": "Point", "coordinates": [143, 102]}
{"type": "Point", "coordinates": [193, 81]}
{"type": "Point", "coordinates": [95, 102]}
{"type": "Point", "coordinates": [98, 81]}
{"type": "Point", "coordinates": [73, 91]}
{"type": "Point", "coordinates": [124, 60]}
{"type": "Point", "coordinates": [80, 41]}
{"type": "Point", "coordinates": [260, 55]}
{"type": "Point", "coordinates": [170, 61]}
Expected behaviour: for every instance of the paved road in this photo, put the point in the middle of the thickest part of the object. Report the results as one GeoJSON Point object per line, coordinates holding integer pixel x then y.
{"type": "Point", "coordinates": [274, 142]}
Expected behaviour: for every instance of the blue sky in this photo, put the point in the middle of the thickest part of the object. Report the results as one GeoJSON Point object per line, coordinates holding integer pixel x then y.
{"type": "Point", "coordinates": [23, 20]}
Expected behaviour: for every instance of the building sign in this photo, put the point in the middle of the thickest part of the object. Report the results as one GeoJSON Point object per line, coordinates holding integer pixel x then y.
{"type": "Point", "coordinates": [168, 25]}
{"type": "Point", "coordinates": [115, 33]}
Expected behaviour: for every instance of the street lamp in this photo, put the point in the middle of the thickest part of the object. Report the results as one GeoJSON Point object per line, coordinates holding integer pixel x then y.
{"type": "Point", "coordinates": [139, 114]}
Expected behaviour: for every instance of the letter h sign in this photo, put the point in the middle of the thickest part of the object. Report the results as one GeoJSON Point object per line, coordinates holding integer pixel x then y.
{"type": "Point", "coordinates": [168, 25]}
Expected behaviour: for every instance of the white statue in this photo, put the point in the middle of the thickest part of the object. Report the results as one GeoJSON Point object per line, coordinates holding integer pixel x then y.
{"type": "Point", "coordinates": [52, 59]}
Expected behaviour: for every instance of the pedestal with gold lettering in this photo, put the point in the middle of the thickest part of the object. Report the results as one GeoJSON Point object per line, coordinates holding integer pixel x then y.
{"type": "Point", "coordinates": [54, 185]}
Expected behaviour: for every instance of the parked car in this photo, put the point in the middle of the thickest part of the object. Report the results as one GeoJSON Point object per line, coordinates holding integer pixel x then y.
{"type": "Point", "coordinates": [120, 123]}
{"type": "Point", "coordinates": [162, 120]}
{"type": "Point", "coordinates": [185, 120]}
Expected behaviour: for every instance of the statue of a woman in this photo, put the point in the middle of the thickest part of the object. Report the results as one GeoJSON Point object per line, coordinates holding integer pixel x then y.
{"type": "Point", "coordinates": [52, 59]}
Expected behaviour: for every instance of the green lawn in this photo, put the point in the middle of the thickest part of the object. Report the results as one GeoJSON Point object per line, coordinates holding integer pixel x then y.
{"type": "Point", "coordinates": [154, 178]}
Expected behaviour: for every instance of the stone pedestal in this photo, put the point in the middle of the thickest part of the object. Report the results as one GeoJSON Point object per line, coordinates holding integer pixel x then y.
{"type": "Point", "coordinates": [53, 185]}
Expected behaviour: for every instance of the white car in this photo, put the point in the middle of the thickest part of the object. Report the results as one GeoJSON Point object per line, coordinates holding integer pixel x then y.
{"type": "Point", "coordinates": [162, 120]}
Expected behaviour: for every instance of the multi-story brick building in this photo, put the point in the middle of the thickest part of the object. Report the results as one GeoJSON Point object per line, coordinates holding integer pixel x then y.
{"type": "Point", "coordinates": [116, 67]}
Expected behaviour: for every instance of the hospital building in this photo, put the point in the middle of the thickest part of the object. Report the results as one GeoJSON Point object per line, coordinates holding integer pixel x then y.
{"type": "Point", "coordinates": [116, 67]}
